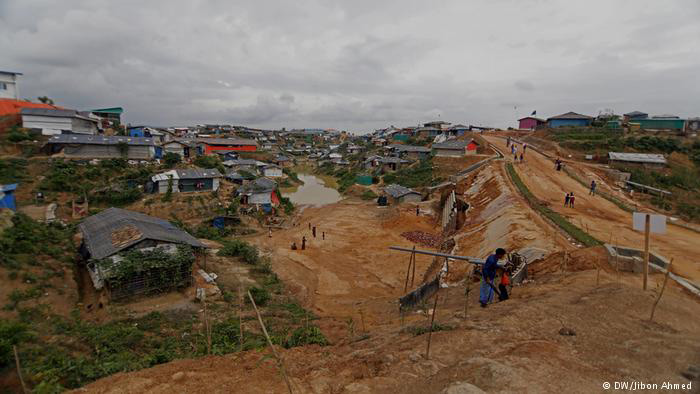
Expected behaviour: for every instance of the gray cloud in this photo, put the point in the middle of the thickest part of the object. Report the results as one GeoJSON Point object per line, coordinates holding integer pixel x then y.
{"type": "Point", "coordinates": [354, 65]}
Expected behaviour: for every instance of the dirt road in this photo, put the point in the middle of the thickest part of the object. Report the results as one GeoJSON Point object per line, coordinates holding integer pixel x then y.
{"type": "Point", "coordinates": [602, 218]}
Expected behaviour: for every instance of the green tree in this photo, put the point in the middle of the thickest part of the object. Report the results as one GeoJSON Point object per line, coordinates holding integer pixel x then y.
{"type": "Point", "coordinates": [170, 159]}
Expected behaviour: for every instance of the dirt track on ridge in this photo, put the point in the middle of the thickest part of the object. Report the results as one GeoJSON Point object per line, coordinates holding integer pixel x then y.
{"type": "Point", "coordinates": [601, 217]}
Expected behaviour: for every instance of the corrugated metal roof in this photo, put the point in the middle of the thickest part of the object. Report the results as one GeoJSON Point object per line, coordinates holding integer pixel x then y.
{"type": "Point", "coordinates": [636, 113]}
{"type": "Point", "coordinates": [260, 185]}
{"type": "Point", "coordinates": [388, 160]}
{"type": "Point", "coordinates": [241, 162]}
{"type": "Point", "coordinates": [11, 107]}
{"type": "Point", "coordinates": [98, 231]}
{"type": "Point", "coordinates": [113, 110]}
{"type": "Point", "coordinates": [398, 191]}
{"type": "Point", "coordinates": [637, 157]}
{"type": "Point", "coordinates": [187, 173]}
{"type": "Point", "coordinates": [60, 113]}
{"type": "Point", "coordinates": [409, 148]}
{"type": "Point", "coordinates": [570, 115]}
{"type": "Point", "coordinates": [452, 144]}
{"type": "Point", "coordinates": [532, 117]}
{"type": "Point", "coordinates": [99, 139]}
{"type": "Point", "coordinates": [227, 141]}
{"type": "Point", "coordinates": [10, 72]}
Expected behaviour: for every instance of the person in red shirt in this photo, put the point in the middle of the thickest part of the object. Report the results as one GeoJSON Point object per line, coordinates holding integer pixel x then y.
{"type": "Point", "coordinates": [502, 287]}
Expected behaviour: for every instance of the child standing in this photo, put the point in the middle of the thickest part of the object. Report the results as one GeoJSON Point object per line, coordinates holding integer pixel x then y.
{"type": "Point", "coordinates": [571, 200]}
{"type": "Point", "coordinates": [566, 200]}
{"type": "Point", "coordinates": [502, 289]}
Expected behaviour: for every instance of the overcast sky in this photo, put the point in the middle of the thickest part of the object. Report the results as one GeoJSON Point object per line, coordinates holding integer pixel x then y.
{"type": "Point", "coordinates": [355, 65]}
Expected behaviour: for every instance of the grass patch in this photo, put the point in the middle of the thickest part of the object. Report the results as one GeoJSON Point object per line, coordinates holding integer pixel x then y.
{"type": "Point", "coordinates": [416, 176]}
{"type": "Point", "coordinates": [13, 170]}
{"type": "Point", "coordinates": [239, 248]}
{"type": "Point", "coordinates": [573, 231]}
{"type": "Point", "coordinates": [368, 195]}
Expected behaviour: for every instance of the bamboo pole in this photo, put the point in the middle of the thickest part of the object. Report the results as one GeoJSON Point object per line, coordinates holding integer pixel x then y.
{"type": "Point", "coordinates": [207, 329]}
{"type": "Point", "coordinates": [19, 370]}
{"type": "Point", "coordinates": [432, 319]}
{"type": "Point", "coordinates": [408, 273]}
{"type": "Point", "coordinates": [663, 287]}
{"type": "Point", "coordinates": [413, 275]}
{"type": "Point", "coordinates": [617, 263]}
{"type": "Point", "coordinates": [466, 296]}
{"type": "Point", "coordinates": [280, 362]}
{"type": "Point", "coordinates": [240, 316]}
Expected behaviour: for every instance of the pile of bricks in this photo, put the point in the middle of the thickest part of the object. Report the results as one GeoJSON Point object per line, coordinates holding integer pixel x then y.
{"type": "Point", "coordinates": [423, 238]}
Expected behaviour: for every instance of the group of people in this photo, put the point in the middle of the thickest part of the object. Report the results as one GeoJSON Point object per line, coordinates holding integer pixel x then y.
{"type": "Point", "coordinates": [514, 150]}
{"type": "Point", "coordinates": [303, 238]}
{"type": "Point", "coordinates": [569, 200]}
{"type": "Point", "coordinates": [489, 271]}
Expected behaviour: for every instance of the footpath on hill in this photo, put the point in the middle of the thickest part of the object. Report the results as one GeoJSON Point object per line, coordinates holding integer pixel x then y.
{"type": "Point", "coordinates": [600, 217]}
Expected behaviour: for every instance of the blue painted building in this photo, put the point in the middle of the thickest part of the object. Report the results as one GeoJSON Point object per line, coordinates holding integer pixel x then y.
{"type": "Point", "coordinates": [569, 119]}
{"type": "Point", "coordinates": [7, 196]}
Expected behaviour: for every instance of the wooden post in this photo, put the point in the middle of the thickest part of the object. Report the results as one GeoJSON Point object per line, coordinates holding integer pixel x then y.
{"type": "Point", "coordinates": [432, 319]}
{"type": "Point", "coordinates": [240, 316]}
{"type": "Point", "coordinates": [19, 370]}
{"type": "Point", "coordinates": [466, 296]}
{"type": "Point", "coordinates": [617, 263]}
{"type": "Point", "coordinates": [413, 255]}
{"type": "Point", "coordinates": [408, 273]}
{"type": "Point", "coordinates": [647, 225]}
{"type": "Point", "coordinates": [206, 326]}
{"type": "Point", "coordinates": [280, 363]}
{"type": "Point", "coordinates": [663, 287]}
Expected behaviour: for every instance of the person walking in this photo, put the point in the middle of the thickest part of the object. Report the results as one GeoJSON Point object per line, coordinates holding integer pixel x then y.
{"type": "Point", "coordinates": [593, 186]}
{"type": "Point", "coordinates": [571, 200]}
{"type": "Point", "coordinates": [567, 199]}
{"type": "Point", "coordinates": [309, 225]}
{"type": "Point", "coordinates": [269, 232]}
{"type": "Point", "coordinates": [515, 157]}
{"type": "Point", "coordinates": [524, 146]}
{"type": "Point", "coordinates": [417, 210]}
{"type": "Point", "coordinates": [303, 243]}
{"type": "Point", "coordinates": [323, 235]}
{"type": "Point", "coordinates": [488, 274]}
{"type": "Point", "coordinates": [521, 156]}
{"type": "Point", "coordinates": [313, 231]}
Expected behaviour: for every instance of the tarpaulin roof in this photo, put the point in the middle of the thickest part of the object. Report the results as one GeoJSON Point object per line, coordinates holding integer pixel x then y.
{"type": "Point", "coordinates": [99, 231]}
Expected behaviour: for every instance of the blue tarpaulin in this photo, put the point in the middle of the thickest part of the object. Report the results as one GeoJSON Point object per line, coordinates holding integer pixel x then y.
{"type": "Point", "coordinates": [7, 196]}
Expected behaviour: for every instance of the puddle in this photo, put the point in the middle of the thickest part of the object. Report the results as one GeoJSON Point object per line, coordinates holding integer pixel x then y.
{"type": "Point", "coordinates": [313, 192]}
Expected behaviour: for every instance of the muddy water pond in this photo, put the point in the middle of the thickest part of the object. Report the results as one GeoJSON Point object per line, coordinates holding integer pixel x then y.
{"type": "Point", "coordinates": [313, 192]}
